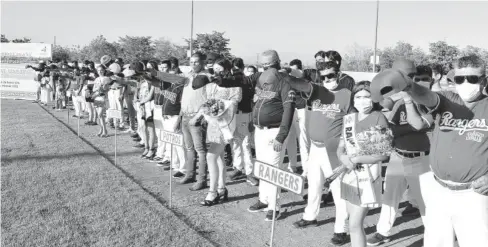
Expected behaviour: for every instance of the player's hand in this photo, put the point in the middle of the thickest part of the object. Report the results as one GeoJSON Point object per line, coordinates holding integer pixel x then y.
{"type": "Point", "coordinates": [480, 185]}
{"type": "Point", "coordinates": [121, 97]}
{"type": "Point", "coordinates": [347, 162]}
{"type": "Point", "coordinates": [277, 146]}
{"type": "Point", "coordinates": [177, 127]}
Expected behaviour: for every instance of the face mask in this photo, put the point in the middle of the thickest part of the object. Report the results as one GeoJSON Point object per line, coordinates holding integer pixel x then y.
{"type": "Point", "coordinates": [468, 91]}
{"type": "Point", "coordinates": [331, 85]}
{"type": "Point", "coordinates": [363, 105]}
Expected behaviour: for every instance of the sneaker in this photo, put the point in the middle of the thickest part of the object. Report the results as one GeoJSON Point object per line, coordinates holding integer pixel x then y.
{"type": "Point", "coordinates": [410, 210]}
{"type": "Point", "coordinates": [235, 174]}
{"type": "Point", "coordinates": [134, 135]}
{"type": "Point", "coordinates": [156, 159]}
{"type": "Point", "coordinates": [258, 207]}
{"type": "Point", "coordinates": [138, 139]}
{"type": "Point", "coordinates": [252, 180]}
{"type": "Point", "coordinates": [269, 215]}
{"type": "Point", "coordinates": [178, 174]}
{"type": "Point", "coordinates": [377, 239]}
{"type": "Point", "coordinates": [304, 223]}
{"type": "Point", "coordinates": [164, 163]}
{"type": "Point", "coordinates": [340, 239]}
{"type": "Point", "coordinates": [188, 178]}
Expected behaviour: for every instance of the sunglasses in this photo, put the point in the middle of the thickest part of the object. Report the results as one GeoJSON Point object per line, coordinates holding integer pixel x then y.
{"type": "Point", "coordinates": [329, 76]}
{"type": "Point", "coordinates": [473, 79]}
{"type": "Point", "coordinates": [418, 79]}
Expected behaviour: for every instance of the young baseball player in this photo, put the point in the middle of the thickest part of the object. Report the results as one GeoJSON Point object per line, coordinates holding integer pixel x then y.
{"type": "Point", "coordinates": [327, 104]}
{"type": "Point", "coordinates": [410, 159]}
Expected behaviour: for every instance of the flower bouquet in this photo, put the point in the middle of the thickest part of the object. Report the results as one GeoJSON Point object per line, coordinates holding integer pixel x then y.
{"type": "Point", "coordinates": [375, 141]}
{"type": "Point", "coordinates": [214, 107]}
{"type": "Point", "coordinates": [220, 115]}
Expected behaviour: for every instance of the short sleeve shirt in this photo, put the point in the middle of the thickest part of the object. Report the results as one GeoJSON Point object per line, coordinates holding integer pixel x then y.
{"type": "Point", "coordinates": [413, 141]}
{"type": "Point", "coordinates": [327, 110]}
{"type": "Point", "coordinates": [459, 150]}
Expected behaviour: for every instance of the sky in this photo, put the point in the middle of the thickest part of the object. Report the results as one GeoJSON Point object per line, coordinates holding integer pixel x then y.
{"type": "Point", "coordinates": [295, 29]}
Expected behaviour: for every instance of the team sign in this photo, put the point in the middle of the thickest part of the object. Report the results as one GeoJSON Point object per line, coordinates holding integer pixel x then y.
{"type": "Point", "coordinates": [170, 137]}
{"type": "Point", "coordinates": [112, 113]}
{"type": "Point", "coordinates": [278, 177]}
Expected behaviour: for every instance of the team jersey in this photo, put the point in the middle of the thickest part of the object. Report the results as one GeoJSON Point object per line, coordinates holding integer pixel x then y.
{"type": "Point", "coordinates": [459, 150]}
{"type": "Point", "coordinates": [412, 140]}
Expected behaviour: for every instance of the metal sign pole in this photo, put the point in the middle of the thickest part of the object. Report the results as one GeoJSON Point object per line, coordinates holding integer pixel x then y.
{"type": "Point", "coordinates": [68, 113]}
{"type": "Point", "coordinates": [170, 175]}
{"type": "Point", "coordinates": [79, 126]}
{"type": "Point", "coordinates": [115, 146]}
{"type": "Point", "coordinates": [274, 217]}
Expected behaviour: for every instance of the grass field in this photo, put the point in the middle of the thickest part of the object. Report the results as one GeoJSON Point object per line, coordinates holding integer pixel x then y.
{"type": "Point", "coordinates": [61, 190]}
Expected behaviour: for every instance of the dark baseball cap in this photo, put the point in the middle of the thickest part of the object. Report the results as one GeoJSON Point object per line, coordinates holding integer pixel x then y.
{"type": "Point", "coordinates": [138, 67]}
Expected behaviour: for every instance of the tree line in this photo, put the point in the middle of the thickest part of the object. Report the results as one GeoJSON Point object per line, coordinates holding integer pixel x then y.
{"type": "Point", "coordinates": [356, 58]}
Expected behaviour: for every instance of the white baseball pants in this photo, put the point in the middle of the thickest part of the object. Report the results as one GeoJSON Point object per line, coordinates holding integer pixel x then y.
{"type": "Point", "coordinates": [178, 161]}
{"type": "Point", "coordinates": [319, 168]}
{"type": "Point", "coordinates": [400, 172]}
{"type": "Point", "coordinates": [449, 212]}
{"type": "Point", "coordinates": [265, 153]}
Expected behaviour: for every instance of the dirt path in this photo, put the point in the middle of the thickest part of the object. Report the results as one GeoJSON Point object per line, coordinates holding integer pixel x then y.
{"type": "Point", "coordinates": [228, 224]}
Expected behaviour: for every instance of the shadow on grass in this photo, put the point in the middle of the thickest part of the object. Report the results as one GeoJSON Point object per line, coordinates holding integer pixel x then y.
{"type": "Point", "coordinates": [243, 197]}
{"type": "Point", "coordinates": [50, 157]}
{"type": "Point", "coordinates": [160, 200]}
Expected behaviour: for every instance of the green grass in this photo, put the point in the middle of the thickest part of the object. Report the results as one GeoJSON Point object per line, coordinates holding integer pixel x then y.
{"type": "Point", "coordinates": [58, 191]}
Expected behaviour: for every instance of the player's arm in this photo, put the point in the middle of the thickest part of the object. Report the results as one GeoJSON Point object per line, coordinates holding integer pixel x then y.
{"type": "Point", "coordinates": [423, 96]}
{"type": "Point", "coordinates": [413, 116]}
{"type": "Point", "coordinates": [168, 77]}
{"type": "Point", "coordinates": [299, 84]}
{"type": "Point", "coordinates": [238, 80]}
{"type": "Point", "coordinates": [288, 101]}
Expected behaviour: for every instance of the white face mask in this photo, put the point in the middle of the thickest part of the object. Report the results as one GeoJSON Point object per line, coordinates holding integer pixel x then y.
{"type": "Point", "coordinates": [468, 91]}
{"type": "Point", "coordinates": [331, 85]}
{"type": "Point", "coordinates": [364, 105]}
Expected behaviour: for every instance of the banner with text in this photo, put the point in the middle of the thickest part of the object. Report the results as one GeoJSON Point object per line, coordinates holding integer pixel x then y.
{"type": "Point", "coordinates": [17, 82]}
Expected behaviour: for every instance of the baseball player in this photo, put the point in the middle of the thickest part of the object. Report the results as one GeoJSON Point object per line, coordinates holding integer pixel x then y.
{"type": "Point", "coordinates": [327, 104]}
{"type": "Point", "coordinates": [410, 159]}
{"type": "Point", "coordinates": [456, 190]}
{"type": "Point", "coordinates": [40, 71]}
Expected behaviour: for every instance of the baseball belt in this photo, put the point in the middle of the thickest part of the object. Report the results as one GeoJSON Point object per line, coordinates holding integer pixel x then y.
{"type": "Point", "coordinates": [452, 185]}
{"type": "Point", "coordinates": [412, 154]}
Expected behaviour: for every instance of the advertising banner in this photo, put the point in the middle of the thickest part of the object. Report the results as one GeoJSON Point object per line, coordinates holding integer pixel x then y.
{"type": "Point", "coordinates": [17, 82]}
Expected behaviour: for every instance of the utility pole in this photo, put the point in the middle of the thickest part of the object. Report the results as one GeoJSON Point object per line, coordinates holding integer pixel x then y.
{"type": "Point", "coordinates": [54, 40]}
{"type": "Point", "coordinates": [376, 36]}
{"type": "Point", "coordinates": [191, 30]}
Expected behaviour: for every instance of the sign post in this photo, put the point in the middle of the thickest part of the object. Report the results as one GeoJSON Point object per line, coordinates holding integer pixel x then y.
{"type": "Point", "coordinates": [116, 114]}
{"type": "Point", "coordinates": [172, 139]}
{"type": "Point", "coordinates": [79, 125]}
{"type": "Point", "coordinates": [281, 179]}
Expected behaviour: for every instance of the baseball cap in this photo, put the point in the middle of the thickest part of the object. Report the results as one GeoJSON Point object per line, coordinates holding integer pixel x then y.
{"type": "Point", "coordinates": [269, 57]}
{"type": "Point", "coordinates": [114, 68]}
{"type": "Point", "coordinates": [387, 83]}
{"type": "Point", "coordinates": [42, 62]}
{"type": "Point", "coordinates": [128, 72]}
{"type": "Point", "coordinates": [138, 67]}
{"type": "Point", "coordinates": [404, 65]}
{"type": "Point", "coordinates": [105, 59]}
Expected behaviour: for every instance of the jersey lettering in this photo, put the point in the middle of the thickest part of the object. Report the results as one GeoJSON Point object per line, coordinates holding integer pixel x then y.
{"type": "Point", "coordinates": [169, 95]}
{"type": "Point", "coordinates": [462, 125]}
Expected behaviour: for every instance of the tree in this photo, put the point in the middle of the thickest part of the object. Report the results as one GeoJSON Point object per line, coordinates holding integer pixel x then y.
{"type": "Point", "coordinates": [97, 48]}
{"type": "Point", "coordinates": [473, 50]}
{"type": "Point", "coordinates": [61, 53]}
{"type": "Point", "coordinates": [357, 58]}
{"type": "Point", "coordinates": [443, 54]}
{"type": "Point", "coordinates": [390, 54]}
{"type": "Point", "coordinates": [136, 48]}
{"type": "Point", "coordinates": [23, 40]}
{"type": "Point", "coordinates": [211, 42]}
{"type": "Point", "coordinates": [4, 39]}
{"type": "Point", "coordinates": [164, 49]}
